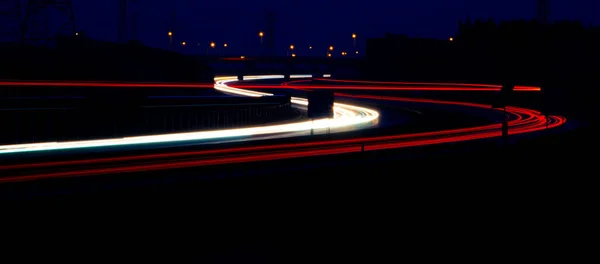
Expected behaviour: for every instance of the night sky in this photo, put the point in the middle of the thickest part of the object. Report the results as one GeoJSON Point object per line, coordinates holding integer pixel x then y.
{"type": "Point", "coordinates": [308, 22]}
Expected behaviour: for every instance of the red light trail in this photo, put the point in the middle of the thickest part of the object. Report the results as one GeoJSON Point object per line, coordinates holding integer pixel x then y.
{"type": "Point", "coordinates": [522, 121]}
{"type": "Point", "coordinates": [359, 85]}
{"type": "Point", "coordinates": [104, 84]}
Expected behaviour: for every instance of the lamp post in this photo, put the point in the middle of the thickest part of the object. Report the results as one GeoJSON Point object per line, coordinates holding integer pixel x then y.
{"type": "Point", "coordinates": [354, 38]}
{"type": "Point", "coordinates": [291, 49]}
{"type": "Point", "coordinates": [170, 39]}
{"type": "Point", "coordinates": [223, 51]}
{"type": "Point", "coordinates": [261, 35]}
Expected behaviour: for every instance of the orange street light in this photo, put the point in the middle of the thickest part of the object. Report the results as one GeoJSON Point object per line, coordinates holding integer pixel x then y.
{"type": "Point", "coordinates": [170, 33]}
{"type": "Point", "coordinates": [242, 57]}
{"type": "Point", "coordinates": [261, 35]}
{"type": "Point", "coordinates": [212, 44]}
{"type": "Point", "coordinates": [331, 48]}
{"type": "Point", "coordinates": [293, 54]}
{"type": "Point", "coordinates": [183, 43]}
{"type": "Point", "coordinates": [451, 39]}
{"type": "Point", "coordinates": [291, 47]}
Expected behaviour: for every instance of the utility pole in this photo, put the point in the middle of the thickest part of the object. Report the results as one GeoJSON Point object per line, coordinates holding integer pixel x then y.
{"type": "Point", "coordinates": [10, 19]}
{"type": "Point", "coordinates": [122, 30]}
{"type": "Point", "coordinates": [271, 18]}
{"type": "Point", "coordinates": [172, 25]}
{"type": "Point", "coordinates": [45, 20]}
{"type": "Point", "coordinates": [543, 11]}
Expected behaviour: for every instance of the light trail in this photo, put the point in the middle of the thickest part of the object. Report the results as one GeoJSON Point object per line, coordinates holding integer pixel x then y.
{"type": "Point", "coordinates": [458, 85]}
{"type": "Point", "coordinates": [522, 121]}
{"type": "Point", "coordinates": [345, 116]}
{"type": "Point", "coordinates": [103, 84]}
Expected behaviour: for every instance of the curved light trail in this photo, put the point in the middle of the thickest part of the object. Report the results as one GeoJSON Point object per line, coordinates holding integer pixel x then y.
{"type": "Point", "coordinates": [522, 120]}
{"type": "Point", "coordinates": [345, 117]}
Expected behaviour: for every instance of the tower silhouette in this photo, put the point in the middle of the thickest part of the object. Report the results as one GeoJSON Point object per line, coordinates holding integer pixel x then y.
{"type": "Point", "coordinates": [47, 19]}
{"type": "Point", "coordinates": [10, 20]}
{"type": "Point", "coordinates": [543, 11]}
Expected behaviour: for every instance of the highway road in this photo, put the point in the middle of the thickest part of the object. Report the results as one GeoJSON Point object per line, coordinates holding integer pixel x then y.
{"type": "Point", "coordinates": [347, 117]}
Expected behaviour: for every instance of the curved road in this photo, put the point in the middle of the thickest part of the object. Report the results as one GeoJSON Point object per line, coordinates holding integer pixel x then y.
{"type": "Point", "coordinates": [346, 117]}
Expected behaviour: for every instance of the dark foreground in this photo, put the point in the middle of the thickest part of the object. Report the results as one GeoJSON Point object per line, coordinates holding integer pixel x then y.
{"type": "Point", "coordinates": [468, 201]}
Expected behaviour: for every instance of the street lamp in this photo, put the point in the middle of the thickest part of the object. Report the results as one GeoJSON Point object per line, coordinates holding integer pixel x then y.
{"type": "Point", "coordinates": [224, 46]}
{"type": "Point", "coordinates": [261, 35]}
{"type": "Point", "coordinates": [183, 43]}
{"type": "Point", "coordinates": [328, 54]}
{"type": "Point", "coordinates": [170, 39]}
{"type": "Point", "coordinates": [212, 45]}
{"type": "Point", "coordinates": [291, 49]}
{"type": "Point", "coordinates": [344, 53]}
{"type": "Point", "coordinates": [294, 55]}
{"type": "Point", "coordinates": [354, 38]}
{"type": "Point", "coordinates": [451, 39]}
{"type": "Point", "coordinates": [331, 48]}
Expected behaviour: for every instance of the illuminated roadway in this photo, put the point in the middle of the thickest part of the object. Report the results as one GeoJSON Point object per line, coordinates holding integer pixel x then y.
{"type": "Point", "coordinates": [347, 117]}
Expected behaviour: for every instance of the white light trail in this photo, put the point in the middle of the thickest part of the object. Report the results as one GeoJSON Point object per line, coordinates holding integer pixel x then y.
{"type": "Point", "coordinates": [345, 116]}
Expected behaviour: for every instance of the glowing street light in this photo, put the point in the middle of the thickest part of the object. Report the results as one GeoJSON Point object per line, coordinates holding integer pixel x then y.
{"type": "Point", "coordinates": [291, 47]}
{"type": "Point", "coordinates": [331, 48]}
{"type": "Point", "coordinates": [261, 35]}
{"type": "Point", "coordinates": [328, 54]}
{"type": "Point", "coordinates": [344, 53]}
{"type": "Point", "coordinates": [242, 57]}
{"type": "Point", "coordinates": [309, 47]}
{"type": "Point", "coordinates": [223, 50]}
{"type": "Point", "coordinates": [357, 52]}
{"type": "Point", "coordinates": [294, 55]}
{"type": "Point", "coordinates": [211, 45]}
{"type": "Point", "coordinates": [170, 39]}
{"type": "Point", "coordinates": [354, 38]}
{"type": "Point", "coordinates": [183, 43]}
{"type": "Point", "coordinates": [451, 39]}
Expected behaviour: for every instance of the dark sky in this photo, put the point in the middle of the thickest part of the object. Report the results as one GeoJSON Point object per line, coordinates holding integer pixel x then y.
{"type": "Point", "coordinates": [308, 22]}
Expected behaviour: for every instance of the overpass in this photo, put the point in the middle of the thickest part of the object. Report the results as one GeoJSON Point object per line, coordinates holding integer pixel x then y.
{"type": "Point", "coordinates": [241, 65]}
